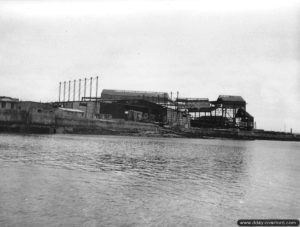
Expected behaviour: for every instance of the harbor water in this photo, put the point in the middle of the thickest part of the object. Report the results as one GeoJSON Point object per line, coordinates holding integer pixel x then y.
{"type": "Point", "coordinates": [83, 180]}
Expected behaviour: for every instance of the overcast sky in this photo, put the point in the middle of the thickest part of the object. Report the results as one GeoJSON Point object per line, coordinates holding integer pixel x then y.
{"type": "Point", "coordinates": [234, 47]}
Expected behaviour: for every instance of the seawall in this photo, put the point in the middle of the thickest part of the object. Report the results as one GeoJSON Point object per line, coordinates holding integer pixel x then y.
{"type": "Point", "coordinates": [240, 134]}
{"type": "Point", "coordinates": [98, 126]}
{"type": "Point", "coordinates": [35, 122]}
{"type": "Point", "coordinates": [53, 122]}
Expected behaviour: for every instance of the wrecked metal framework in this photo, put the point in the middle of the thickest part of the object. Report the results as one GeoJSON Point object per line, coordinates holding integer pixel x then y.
{"type": "Point", "coordinates": [226, 112]}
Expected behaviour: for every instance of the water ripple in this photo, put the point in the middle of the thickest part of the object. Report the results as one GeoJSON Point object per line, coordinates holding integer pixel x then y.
{"type": "Point", "coordinates": [114, 181]}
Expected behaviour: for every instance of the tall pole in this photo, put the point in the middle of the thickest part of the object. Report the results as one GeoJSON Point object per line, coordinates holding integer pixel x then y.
{"type": "Point", "coordinates": [91, 86]}
{"type": "Point", "coordinates": [59, 91]}
{"type": "Point", "coordinates": [84, 87]}
{"type": "Point", "coordinates": [177, 114]}
{"type": "Point", "coordinates": [74, 89]}
{"type": "Point", "coordinates": [96, 106]}
{"type": "Point", "coordinates": [79, 86]}
{"type": "Point", "coordinates": [69, 90]}
{"type": "Point", "coordinates": [96, 88]}
{"type": "Point", "coordinates": [171, 104]}
{"type": "Point", "coordinates": [64, 91]}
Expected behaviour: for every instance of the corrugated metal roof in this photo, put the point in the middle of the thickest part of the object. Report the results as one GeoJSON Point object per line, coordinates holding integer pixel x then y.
{"type": "Point", "coordinates": [133, 93]}
{"type": "Point", "coordinates": [231, 98]}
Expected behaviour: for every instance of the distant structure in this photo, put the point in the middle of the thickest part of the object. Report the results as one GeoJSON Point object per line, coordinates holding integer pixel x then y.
{"type": "Point", "coordinates": [150, 106]}
{"type": "Point", "coordinates": [226, 112]}
{"type": "Point", "coordinates": [134, 113]}
{"type": "Point", "coordinates": [193, 105]}
{"type": "Point", "coordinates": [8, 102]}
{"type": "Point", "coordinates": [81, 95]}
{"type": "Point", "coordinates": [155, 97]}
{"type": "Point", "coordinates": [72, 91]}
{"type": "Point", "coordinates": [142, 106]}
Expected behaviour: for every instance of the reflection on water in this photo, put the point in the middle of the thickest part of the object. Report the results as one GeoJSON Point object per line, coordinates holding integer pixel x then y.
{"type": "Point", "coordinates": [73, 180]}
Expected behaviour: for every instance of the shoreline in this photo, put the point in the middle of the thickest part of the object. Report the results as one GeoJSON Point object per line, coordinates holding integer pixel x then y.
{"type": "Point", "coordinates": [42, 123]}
{"type": "Point", "coordinates": [193, 133]}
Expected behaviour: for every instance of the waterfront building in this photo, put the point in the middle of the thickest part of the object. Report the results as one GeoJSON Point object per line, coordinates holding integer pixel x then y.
{"type": "Point", "coordinates": [8, 102]}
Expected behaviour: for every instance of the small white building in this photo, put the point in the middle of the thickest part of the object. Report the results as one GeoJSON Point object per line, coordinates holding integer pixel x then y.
{"type": "Point", "coordinates": [8, 102]}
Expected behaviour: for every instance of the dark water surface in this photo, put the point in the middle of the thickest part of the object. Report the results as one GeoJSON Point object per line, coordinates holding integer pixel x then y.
{"type": "Point", "coordinates": [74, 180]}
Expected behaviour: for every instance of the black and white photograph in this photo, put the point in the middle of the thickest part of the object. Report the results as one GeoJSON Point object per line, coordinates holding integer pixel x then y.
{"type": "Point", "coordinates": [129, 113]}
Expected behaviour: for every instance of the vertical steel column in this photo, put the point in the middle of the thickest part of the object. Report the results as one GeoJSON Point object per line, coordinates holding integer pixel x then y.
{"type": "Point", "coordinates": [79, 87]}
{"type": "Point", "coordinates": [177, 99]}
{"type": "Point", "coordinates": [69, 90]}
{"type": "Point", "coordinates": [84, 87]}
{"type": "Point", "coordinates": [96, 106]}
{"type": "Point", "coordinates": [96, 87]}
{"type": "Point", "coordinates": [234, 118]}
{"type": "Point", "coordinates": [74, 90]}
{"type": "Point", "coordinates": [177, 113]}
{"type": "Point", "coordinates": [59, 92]}
{"type": "Point", "coordinates": [64, 91]}
{"type": "Point", "coordinates": [91, 87]}
{"type": "Point", "coordinates": [171, 104]}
